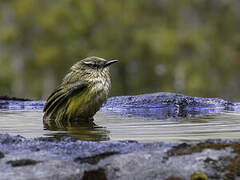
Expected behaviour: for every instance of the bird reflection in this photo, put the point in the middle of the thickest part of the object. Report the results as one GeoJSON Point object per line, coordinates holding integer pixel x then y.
{"type": "Point", "coordinates": [81, 130]}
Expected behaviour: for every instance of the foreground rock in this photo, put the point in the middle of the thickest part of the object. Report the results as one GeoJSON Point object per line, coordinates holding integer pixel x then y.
{"type": "Point", "coordinates": [45, 158]}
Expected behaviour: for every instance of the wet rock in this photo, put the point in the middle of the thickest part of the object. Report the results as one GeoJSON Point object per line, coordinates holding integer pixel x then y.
{"type": "Point", "coordinates": [6, 139]}
{"type": "Point", "coordinates": [72, 159]}
{"type": "Point", "coordinates": [94, 159]}
{"type": "Point", "coordinates": [98, 174]}
{"type": "Point", "coordinates": [152, 165]}
{"type": "Point", "coordinates": [49, 170]}
{"type": "Point", "coordinates": [19, 104]}
{"type": "Point", "coordinates": [173, 178]}
{"type": "Point", "coordinates": [22, 162]}
{"type": "Point", "coordinates": [1, 155]}
{"type": "Point", "coordinates": [167, 105]}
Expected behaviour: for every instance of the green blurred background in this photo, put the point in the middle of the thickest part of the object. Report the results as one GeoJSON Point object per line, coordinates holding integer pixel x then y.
{"type": "Point", "coordinates": [187, 46]}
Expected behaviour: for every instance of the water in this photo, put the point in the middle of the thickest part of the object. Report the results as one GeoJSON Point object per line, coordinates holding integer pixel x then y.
{"type": "Point", "coordinates": [112, 127]}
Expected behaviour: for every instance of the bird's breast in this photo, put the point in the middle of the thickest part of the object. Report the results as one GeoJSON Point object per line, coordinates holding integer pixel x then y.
{"type": "Point", "coordinates": [87, 103]}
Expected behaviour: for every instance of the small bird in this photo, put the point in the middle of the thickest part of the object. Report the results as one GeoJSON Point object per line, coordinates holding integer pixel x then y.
{"type": "Point", "coordinates": [81, 94]}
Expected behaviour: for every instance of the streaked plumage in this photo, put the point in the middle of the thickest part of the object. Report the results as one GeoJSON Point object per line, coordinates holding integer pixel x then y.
{"type": "Point", "coordinates": [81, 93]}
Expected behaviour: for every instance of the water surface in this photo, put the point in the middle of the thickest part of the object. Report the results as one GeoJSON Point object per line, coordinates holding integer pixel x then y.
{"type": "Point", "coordinates": [113, 127]}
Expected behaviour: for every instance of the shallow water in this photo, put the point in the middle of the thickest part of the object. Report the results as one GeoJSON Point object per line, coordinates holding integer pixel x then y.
{"type": "Point", "coordinates": [113, 127]}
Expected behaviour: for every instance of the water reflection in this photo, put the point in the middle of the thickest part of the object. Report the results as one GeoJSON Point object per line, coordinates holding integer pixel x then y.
{"type": "Point", "coordinates": [79, 130]}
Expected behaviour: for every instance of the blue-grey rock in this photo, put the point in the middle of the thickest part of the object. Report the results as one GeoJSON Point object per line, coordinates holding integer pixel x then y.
{"type": "Point", "coordinates": [72, 159]}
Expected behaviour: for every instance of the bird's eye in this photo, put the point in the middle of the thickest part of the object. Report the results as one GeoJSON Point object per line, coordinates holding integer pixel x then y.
{"type": "Point", "coordinates": [92, 65]}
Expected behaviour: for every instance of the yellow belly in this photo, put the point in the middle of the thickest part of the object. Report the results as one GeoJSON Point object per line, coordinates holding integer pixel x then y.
{"type": "Point", "coordinates": [84, 105]}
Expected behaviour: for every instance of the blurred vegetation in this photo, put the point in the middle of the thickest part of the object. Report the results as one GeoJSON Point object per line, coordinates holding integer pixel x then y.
{"type": "Point", "coordinates": [187, 46]}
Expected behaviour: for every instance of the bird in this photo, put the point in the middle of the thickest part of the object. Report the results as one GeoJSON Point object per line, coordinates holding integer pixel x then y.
{"type": "Point", "coordinates": [80, 94]}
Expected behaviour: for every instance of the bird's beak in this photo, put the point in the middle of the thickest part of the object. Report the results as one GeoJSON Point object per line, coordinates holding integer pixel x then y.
{"type": "Point", "coordinates": [110, 62]}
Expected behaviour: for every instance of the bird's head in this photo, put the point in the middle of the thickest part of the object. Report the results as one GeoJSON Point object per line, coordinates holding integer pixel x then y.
{"type": "Point", "coordinates": [93, 63]}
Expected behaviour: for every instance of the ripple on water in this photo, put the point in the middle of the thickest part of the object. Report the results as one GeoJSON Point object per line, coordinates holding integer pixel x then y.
{"type": "Point", "coordinates": [113, 127]}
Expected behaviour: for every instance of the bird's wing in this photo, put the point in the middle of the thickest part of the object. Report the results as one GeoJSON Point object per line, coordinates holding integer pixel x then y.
{"type": "Point", "coordinates": [69, 86]}
{"type": "Point", "coordinates": [59, 96]}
